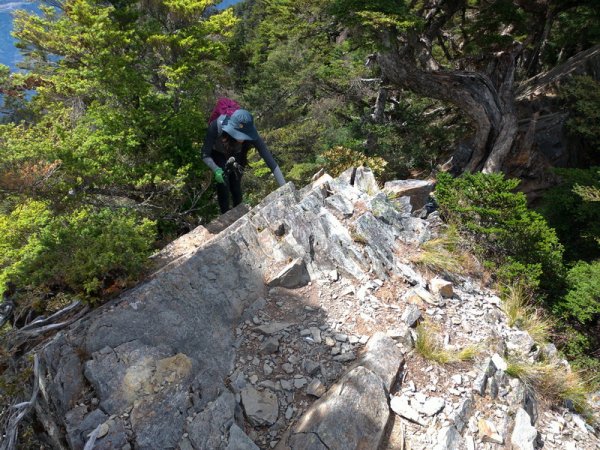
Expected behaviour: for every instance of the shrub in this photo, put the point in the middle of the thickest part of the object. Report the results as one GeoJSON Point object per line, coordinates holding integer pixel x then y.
{"type": "Point", "coordinates": [500, 228]}
{"type": "Point", "coordinates": [302, 173]}
{"type": "Point", "coordinates": [79, 251]}
{"type": "Point", "coordinates": [582, 301]}
{"type": "Point", "coordinates": [579, 348]}
{"type": "Point", "coordinates": [337, 159]}
{"type": "Point", "coordinates": [575, 217]}
{"type": "Point", "coordinates": [582, 98]}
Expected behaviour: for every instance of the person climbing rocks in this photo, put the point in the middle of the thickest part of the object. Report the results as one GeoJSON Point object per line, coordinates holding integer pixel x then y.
{"type": "Point", "coordinates": [7, 306]}
{"type": "Point", "coordinates": [225, 152]}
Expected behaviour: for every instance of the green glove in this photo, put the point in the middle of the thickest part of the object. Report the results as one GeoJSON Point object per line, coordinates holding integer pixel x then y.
{"type": "Point", "coordinates": [219, 176]}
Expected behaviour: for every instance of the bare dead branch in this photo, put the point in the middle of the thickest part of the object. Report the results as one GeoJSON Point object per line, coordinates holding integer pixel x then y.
{"type": "Point", "coordinates": [89, 445]}
{"type": "Point", "coordinates": [20, 410]}
{"type": "Point", "coordinates": [42, 321]}
{"type": "Point", "coordinates": [536, 85]}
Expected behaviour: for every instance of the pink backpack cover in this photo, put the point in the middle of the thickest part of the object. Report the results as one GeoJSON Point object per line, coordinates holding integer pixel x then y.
{"type": "Point", "coordinates": [224, 106]}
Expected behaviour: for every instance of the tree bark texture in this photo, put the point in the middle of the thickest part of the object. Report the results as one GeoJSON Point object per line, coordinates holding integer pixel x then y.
{"type": "Point", "coordinates": [487, 101]}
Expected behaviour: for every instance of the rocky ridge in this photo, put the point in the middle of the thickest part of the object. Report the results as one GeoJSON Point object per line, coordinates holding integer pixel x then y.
{"type": "Point", "coordinates": [294, 328]}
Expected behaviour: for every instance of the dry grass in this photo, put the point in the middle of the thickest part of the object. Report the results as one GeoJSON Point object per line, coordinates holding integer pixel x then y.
{"type": "Point", "coordinates": [517, 306]}
{"type": "Point", "coordinates": [444, 254]}
{"type": "Point", "coordinates": [554, 382]}
{"type": "Point", "coordinates": [428, 345]}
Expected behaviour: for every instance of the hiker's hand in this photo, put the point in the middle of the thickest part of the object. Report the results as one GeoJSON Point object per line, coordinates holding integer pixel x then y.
{"type": "Point", "coordinates": [220, 176]}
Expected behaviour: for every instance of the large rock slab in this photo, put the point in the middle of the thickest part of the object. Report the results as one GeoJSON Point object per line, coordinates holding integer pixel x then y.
{"type": "Point", "coordinates": [352, 415]}
{"type": "Point", "coordinates": [158, 356]}
{"type": "Point", "coordinates": [209, 428]}
{"type": "Point", "coordinates": [291, 276]}
{"type": "Point", "coordinates": [160, 345]}
{"type": "Point", "coordinates": [417, 190]}
{"type": "Point", "coordinates": [383, 358]}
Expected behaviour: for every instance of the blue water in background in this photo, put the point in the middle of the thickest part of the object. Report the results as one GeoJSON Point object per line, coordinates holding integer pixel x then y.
{"type": "Point", "coordinates": [9, 54]}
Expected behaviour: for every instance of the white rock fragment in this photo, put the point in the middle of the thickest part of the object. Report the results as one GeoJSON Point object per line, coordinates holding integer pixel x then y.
{"type": "Point", "coordinates": [316, 388]}
{"type": "Point", "coordinates": [488, 432]}
{"type": "Point", "coordinates": [442, 287]}
{"type": "Point", "coordinates": [524, 434]}
{"type": "Point", "coordinates": [499, 362]}
{"type": "Point", "coordinates": [432, 406]}
{"type": "Point", "coordinates": [401, 406]}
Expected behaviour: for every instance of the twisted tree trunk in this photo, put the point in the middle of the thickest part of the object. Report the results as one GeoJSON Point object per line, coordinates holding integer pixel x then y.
{"type": "Point", "coordinates": [487, 100]}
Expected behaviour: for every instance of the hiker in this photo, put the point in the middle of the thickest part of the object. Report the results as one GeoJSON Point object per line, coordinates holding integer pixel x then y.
{"type": "Point", "coordinates": [225, 151]}
{"type": "Point", "coordinates": [7, 307]}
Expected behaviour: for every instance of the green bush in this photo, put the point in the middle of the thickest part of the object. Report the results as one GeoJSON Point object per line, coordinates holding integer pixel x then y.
{"type": "Point", "coordinates": [79, 251]}
{"type": "Point", "coordinates": [582, 98]}
{"type": "Point", "coordinates": [338, 159]}
{"type": "Point", "coordinates": [575, 219]}
{"type": "Point", "coordinates": [582, 301]}
{"type": "Point", "coordinates": [500, 228]}
{"type": "Point", "coordinates": [579, 348]}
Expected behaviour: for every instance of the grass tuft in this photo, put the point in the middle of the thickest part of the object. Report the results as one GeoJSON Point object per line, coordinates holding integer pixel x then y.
{"type": "Point", "coordinates": [443, 253]}
{"type": "Point", "coordinates": [554, 382]}
{"type": "Point", "coordinates": [428, 345]}
{"type": "Point", "coordinates": [517, 306]}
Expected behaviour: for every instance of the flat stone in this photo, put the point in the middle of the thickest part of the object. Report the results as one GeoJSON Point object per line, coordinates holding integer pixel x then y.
{"type": "Point", "coordinates": [382, 357]}
{"type": "Point", "coordinates": [261, 407]}
{"type": "Point", "coordinates": [421, 294]}
{"type": "Point", "coordinates": [289, 412]}
{"type": "Point", "coordinates": [267, 369]}
{"type": "Point", "coordinates": [411, 315]}
{"type": "Point", "coordinates": [238, 440]}
{"type": "Point", "coordinates": [272, 327]}
{"type": "Point", "coordinates": [432, 406]}
{"type": "Point", "coordinates": [345, 357]}
{"type": "Point", "coordinates": [340, 337]}
{"type": "Point", "coordinates": [270, 345]}
{"type": "Point", "coordinates": [316, 335]}
{"type": "Point", "coordinates": [299, 383]}
{"type": "Point", "coordinates": [401, 406]}
{"type": "Point", "coordinates": [351, 415]}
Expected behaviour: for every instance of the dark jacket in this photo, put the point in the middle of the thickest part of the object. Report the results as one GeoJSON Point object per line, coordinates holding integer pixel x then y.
{"type": "Point", "coordinates": [217, 148]}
